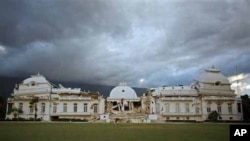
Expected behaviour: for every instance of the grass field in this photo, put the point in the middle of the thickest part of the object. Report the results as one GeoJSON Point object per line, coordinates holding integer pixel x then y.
{"type": "Point", "coordinates": [113, 132]}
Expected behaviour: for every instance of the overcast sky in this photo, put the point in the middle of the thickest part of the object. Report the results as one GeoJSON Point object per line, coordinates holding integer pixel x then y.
{"type": "Point", "coordinates": [142, 42]}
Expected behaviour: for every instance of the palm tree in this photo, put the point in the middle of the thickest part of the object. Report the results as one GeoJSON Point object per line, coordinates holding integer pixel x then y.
{"type": "Point", "coordinates": [34, 102]}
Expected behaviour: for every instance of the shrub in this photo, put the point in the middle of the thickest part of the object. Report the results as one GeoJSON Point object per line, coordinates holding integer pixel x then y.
{"type": "Point", "coordinates": [213, 116]}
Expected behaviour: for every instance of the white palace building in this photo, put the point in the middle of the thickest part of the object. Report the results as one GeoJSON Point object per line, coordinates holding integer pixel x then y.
{"type": "Point", "coordinates": [209, 92]}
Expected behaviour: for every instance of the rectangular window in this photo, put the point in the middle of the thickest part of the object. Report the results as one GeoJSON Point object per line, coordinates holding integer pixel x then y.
{"type": "Point", "coordinates": [197, 109]}
{"type": "Point", "coordinates": [43, 108]}
{"type": "Point", "coordinates": [54, 108]}
{"type": "Point", "coordinates": [230, 109]}
{"type": "Point", "coordinates": [167, 107]}
{"type": "Point", "coordinates": [20, 106]}
{"type": "Point", "coordinates": [31, 108]}
{"type": "Point", "coordinates": [177, 107]}
{"type": "Point", "coordinates": [208, 108]}
{"type": "Point", "coordinates": [187, 107]}
{"type": "Point", "coordinates": [75, 107]}
{"type": "Point", "coordinates": [85, 107]}
{"type": "Point", "coordinates": [239, 107]}
{"type": "Point", "coordinates": [65, 107]}
{"type": "Point", "coordinates": [95, 108]}
{"type": "Point", "coordinates": [219, 108]}
{"type": "Point", "coordinates": [10, 107]}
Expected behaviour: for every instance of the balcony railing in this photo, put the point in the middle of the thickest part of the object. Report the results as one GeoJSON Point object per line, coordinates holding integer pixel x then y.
{"type": "Point", "coordinates": [178, 92]}
{"type": "Point", "coordinates": [178, 114]}
{"type": "Point", "coordinates": [177, 98]}
{"type": "Point", "coordinates": [66, 90]}
{"type": "Point", "coordinates": [71, 113]}
{"type": "Point", "coordinates": [126, 99]}
{"type": "Point", "coordinates": [31, 91]}
{"type": "Point", "coordinates": [29, 98]}
{"type": "Point", "coordinates": [220, 98]}
{"type": "Point", "coordinates": [74, 98]}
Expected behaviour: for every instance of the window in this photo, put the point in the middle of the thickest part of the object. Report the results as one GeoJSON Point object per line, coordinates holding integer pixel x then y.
{"type": "Point", "coordinates": [54, 108]}
{"type": "Point", "coordinates": [75, 107]}
{"type": "Point", "coordinates": [10, 108]}
{"type": "Point", "coordinates": [95, 108]}
{"type": "Point", "coordinates": [157, 108]}
{"type": "Point", "coordinates": [208, 108]}
{"type": "Point", "coordinates": [187, 107]}
{"type": "Point", "coordinates": [43, 108]}
{"type": "Point", "coordinates": [177, 107]}
{"type": "Point", "coordinates": [65, 107]}
{"type": "Point", "coordinates": [85, 107]}
{"type": "Point", "coordinates": [20, 106]}
{"type": "Point", "coordinates": [197, 109]}
{"type": "Point", "coordinates": [230, 110]}
{"type": "Point", "coordinates": [217, 83]}
{"type": "Point", "coordinates": [33, 83]}
{"type": "Point", "coordinates": [239, 107]}
{"type": "Point", "coordinates": [31, 108]}
{"type": "Point", "coordinates": [167, 107]}
{"type": "Point", "coordinates": [219, 108]}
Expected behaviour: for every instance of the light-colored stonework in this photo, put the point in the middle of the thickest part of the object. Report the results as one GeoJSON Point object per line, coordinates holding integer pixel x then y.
{"type": "Point", "coordinates": [210, 91]}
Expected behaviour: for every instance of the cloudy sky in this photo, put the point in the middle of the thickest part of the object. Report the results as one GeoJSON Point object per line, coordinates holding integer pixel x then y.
{"type": "Point", "coordinates": [142, 42]}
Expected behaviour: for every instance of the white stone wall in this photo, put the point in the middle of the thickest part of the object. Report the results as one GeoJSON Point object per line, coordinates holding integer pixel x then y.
{"type": "Point", "coordinates": [59, 110]}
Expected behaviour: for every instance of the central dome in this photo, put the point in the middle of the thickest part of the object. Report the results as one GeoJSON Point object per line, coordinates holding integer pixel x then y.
{"type": "Point", "coordinates": [124, 92]}
{"type": "Point", "coordinates": [212, 76]}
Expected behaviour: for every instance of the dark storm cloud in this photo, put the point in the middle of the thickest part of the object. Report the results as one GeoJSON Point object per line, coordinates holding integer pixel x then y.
{"type": "Point", "coordinates": [96, 41]}
{"type": "Point", "coordinates": [27, 21]}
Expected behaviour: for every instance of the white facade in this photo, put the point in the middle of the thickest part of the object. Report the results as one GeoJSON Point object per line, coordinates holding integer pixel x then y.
{"type": "Point", "coordinates": [53, 101]}
{"type": "Point", "coordinates": [209, 92]}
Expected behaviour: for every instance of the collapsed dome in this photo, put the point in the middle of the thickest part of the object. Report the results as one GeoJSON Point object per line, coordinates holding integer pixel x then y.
{"type": "Point", "coordinates": [212, 76]}
{"type": "Point", "coordinates": [122, 91]}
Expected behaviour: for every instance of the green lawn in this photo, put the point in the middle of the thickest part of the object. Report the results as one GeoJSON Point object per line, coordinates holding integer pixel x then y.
{"type": "Point", "coordinates": [113, 132]}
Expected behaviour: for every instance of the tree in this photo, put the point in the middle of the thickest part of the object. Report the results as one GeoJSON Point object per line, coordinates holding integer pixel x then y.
{"type": "Point", "coordinates": [213, 116]}
{"type": "Point", "coordinates": [34, 102]}
{"type": "Point", "coordinates": [246, 107]}
{"type": "Point", "coordinates": [2, 108]}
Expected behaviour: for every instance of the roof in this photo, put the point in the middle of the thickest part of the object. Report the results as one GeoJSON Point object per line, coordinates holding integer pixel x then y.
{"type": "Point", "coordinates": [124, 92]}
{"type": "Point", "coordinates": [35, 78]}
{"type": "Point", "coordinates": [211, 76]}
{"type": "Point", "coordinates": [174, 90]}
